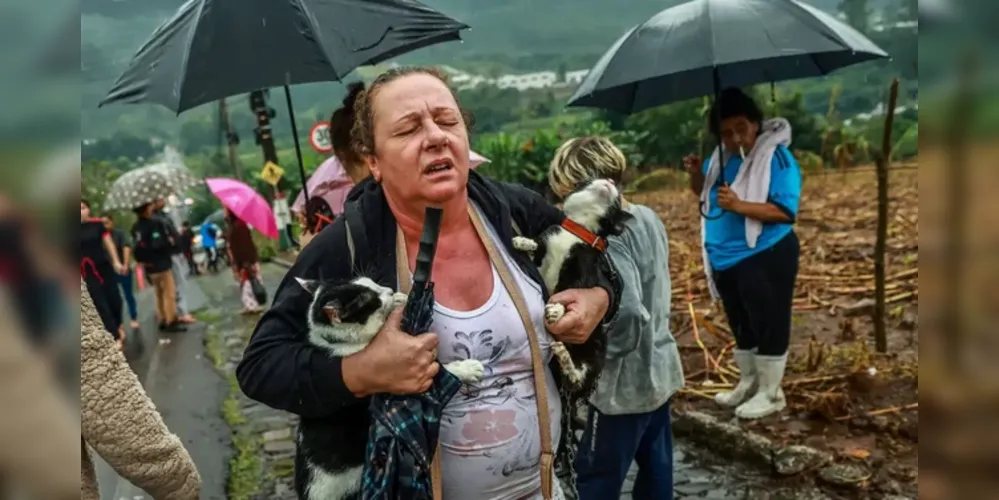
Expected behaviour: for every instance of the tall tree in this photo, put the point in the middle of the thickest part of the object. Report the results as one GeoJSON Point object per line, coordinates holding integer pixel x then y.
{"type": "Point", "coordinates": [857, 14]}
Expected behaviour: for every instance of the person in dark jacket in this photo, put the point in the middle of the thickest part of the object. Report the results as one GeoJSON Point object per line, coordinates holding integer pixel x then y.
{"type": "Point", "coordinates": [155, 240]}
{"type": "Point", "coordinates": [413, 137]}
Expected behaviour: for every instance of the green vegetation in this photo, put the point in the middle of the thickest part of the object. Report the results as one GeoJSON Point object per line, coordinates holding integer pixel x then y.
{"type": "Point", "coordinates": [245, 467]}
{"type": "Point", "coordinates": [518, 131]}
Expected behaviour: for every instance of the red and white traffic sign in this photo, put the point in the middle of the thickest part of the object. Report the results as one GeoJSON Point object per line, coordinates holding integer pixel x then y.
{"type": "Point", "coordinates": [319, 137]}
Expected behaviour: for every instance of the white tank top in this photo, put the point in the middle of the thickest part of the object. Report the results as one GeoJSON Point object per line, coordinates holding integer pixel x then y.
{"type": "Point", "coordinates": [490, 443]}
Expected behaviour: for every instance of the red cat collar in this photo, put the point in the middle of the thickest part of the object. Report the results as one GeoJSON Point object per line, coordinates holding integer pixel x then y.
{"type": "Point", "coordinates": [584, 234]}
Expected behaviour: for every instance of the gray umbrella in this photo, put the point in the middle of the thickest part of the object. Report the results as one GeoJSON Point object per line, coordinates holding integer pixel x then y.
{"type": "Point", "coordinates": [699, 47]}
{"type": "Point", "coordinates": [211, 49]}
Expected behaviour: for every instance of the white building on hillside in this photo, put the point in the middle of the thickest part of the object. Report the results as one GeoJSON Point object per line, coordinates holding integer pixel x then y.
{"type": "Point", "coordinates": [539, 80]}
{"type": "Point", "coordinates": [575, 77]}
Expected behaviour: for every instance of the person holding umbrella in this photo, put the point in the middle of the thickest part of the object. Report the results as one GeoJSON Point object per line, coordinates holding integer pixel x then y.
{"type": "Point", "coordinates": [750, 248]}
{"type": "Point", "coordinates": [497, 438]}
{"type": "Point", "coordinates": [244, 258]}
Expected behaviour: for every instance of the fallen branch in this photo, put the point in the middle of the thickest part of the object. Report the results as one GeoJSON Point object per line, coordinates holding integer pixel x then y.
{"type": "Point", "coordinates": [882, 411]}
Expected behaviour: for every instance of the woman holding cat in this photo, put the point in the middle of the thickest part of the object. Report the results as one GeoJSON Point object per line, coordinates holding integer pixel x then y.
{"type": "Point", "coordinates": [412, 135]}
{"type": "Point", "coordinates": [750, 249]}
{"type": "Point", "coordinates": [643, 368]}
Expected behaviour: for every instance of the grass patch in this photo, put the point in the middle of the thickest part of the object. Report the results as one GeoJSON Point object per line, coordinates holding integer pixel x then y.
{"type": "Point", "coordinates": [244, 466]}
{"type": "Point", "coordinates": [213, 345]}
{"type": "Point", "coordinates": [209, 316]}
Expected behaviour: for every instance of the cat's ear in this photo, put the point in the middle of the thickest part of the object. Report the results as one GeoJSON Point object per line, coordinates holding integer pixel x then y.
{"type": "Point", "coordinates": [333, 312]}
{"type": "Point", "coordinates": [309, 285]}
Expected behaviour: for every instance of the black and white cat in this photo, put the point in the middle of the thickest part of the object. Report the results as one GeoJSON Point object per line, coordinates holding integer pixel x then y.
{"type": "Point", "coordinates": [343, 318]}
{"type": "Point", "coordinates": [569, 257]}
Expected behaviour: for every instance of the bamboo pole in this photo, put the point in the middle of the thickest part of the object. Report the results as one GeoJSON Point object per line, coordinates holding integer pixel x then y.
{"type": "Point", "coordinates": [880, 330]}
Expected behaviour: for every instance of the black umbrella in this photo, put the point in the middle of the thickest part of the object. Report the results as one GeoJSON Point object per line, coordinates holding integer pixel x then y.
{"type": "Point", "coordinates": [702, 46]}
{"type": "Point", "coordinates": [699, 47]}
{"type": "Point", "coordinates": [404, 429]}
{"type": "Point", "coordinates": [211, 49]}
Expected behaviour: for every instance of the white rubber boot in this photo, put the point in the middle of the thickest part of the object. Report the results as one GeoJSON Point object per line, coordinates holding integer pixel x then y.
{"type": "Point", "coordinates": [769, 398]}
{"type": "Point", "coordinates": [746, 362]}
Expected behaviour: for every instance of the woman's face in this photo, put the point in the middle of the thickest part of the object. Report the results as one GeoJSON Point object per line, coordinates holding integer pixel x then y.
{"type": "Point", "coordinates": [421, 142]}
{"type": "Point", "coordinates": [84, 211]}
{"type": "Point", "coordinates": [739, 131]}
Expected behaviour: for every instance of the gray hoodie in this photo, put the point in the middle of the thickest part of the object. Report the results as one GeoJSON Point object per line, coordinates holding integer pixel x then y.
{"type": "Point", "coordinates": [643, 367]}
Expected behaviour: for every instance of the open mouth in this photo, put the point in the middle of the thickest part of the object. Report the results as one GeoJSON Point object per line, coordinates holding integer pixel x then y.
{"type": "Point", "coordinates": [438, 166]}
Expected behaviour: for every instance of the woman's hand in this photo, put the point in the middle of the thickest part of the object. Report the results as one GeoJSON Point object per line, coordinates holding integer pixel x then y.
{"type": "Point", "coordinates": [727, 199]}
{"type": "Point", "coordinates": [584, 309]}
{"type": "Point", "coordinates": [395, 362]}
{"type": "Point", "coordinates": [692, 164]}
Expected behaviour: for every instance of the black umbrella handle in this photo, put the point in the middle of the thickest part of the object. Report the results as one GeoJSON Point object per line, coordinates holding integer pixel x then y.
{"type": "Point", "coordinates": [428, 247]}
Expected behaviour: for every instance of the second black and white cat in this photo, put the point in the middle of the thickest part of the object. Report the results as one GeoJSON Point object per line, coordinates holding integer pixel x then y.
{"type": "Point", "coordinates": [568, 256]}
{"type": "Point", "coordinates": [343, 318]}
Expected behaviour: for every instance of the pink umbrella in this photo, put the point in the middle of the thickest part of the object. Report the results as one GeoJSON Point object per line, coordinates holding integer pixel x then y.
{"type": "Point", "coordinates": [330, 182]}
{"type": "Point", "coordinates": [246, 203]}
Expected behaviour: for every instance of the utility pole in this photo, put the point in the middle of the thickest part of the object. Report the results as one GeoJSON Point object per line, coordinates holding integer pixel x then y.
{"type": "Point", "coordinates": [231, 137]}
{"type": "Point", "coordinates": [265, 139]}
{"type": "Point", "coordinates": [262, 133]}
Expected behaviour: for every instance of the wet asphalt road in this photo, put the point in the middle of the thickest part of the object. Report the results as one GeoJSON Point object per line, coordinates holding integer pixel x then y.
{"type": "Point", "coordinates": [186, 389]}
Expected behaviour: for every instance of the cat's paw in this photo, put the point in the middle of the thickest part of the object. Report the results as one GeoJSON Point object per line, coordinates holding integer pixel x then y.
{"type": "Point", "coordinates": [468, 371]}
{"type": "Point", "coordinates": [554, 312]}
{"type": "Point", "coordinates": [524, 244]}
{"type": "Point", "coordinates": [576, 377]}
{"type": "Point", "coordinates": [399, 299]}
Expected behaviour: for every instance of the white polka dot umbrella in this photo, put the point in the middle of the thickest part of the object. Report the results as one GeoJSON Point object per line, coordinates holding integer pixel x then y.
{"type": "Point", "coordinates": [179, 177]}
{"type": "Point", "coordinates": [139, 187]}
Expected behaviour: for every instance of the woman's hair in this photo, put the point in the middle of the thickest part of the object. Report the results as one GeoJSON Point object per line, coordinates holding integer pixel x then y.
{"type": "Point", "coordinates": [733, 102]}
{"type": "Point", "coordinates": [583, 159]}
{"type": "Point", "coordinates": [85, 202]}
{"type": "Point", "coordinates": [363, 133]}
{"type": "Point", "coordinates": [341, 124]}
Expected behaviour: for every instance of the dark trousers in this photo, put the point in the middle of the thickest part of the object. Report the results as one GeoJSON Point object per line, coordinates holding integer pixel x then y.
{"type": "Point", "coordinates": [192, 267]}
{"type": "Point", "coordinates": [212, 256]}
{"type": "Point", "coordinates": [757, 294]}
{"type": "Point", "coordinates": [125, 282]}
{"type": "Point", "coordinates": [103, 289]}
{"type": "Point", "coordinates": [612, 442]}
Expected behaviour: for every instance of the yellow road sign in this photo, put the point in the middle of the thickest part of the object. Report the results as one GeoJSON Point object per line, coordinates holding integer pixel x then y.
{"type": "Point", "coordinates": [271, 173]}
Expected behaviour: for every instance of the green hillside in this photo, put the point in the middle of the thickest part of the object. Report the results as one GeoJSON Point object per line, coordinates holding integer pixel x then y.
{"type": "Point", "coordinates": [506, 37]}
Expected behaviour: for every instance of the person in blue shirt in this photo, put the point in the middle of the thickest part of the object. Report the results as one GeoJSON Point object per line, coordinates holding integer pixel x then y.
{"type": "Point", "coordinates": [751, 250]}
{"type": "Point", "coordinates": [209, 233]}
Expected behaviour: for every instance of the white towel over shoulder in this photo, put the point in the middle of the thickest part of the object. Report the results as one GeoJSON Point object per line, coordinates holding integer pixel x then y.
{"type": "Point", "coordinates": [751, 184]}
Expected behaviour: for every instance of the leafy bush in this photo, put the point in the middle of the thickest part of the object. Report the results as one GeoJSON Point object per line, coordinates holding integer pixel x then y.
{"type": "Point", "coordinates": [524, 158]}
